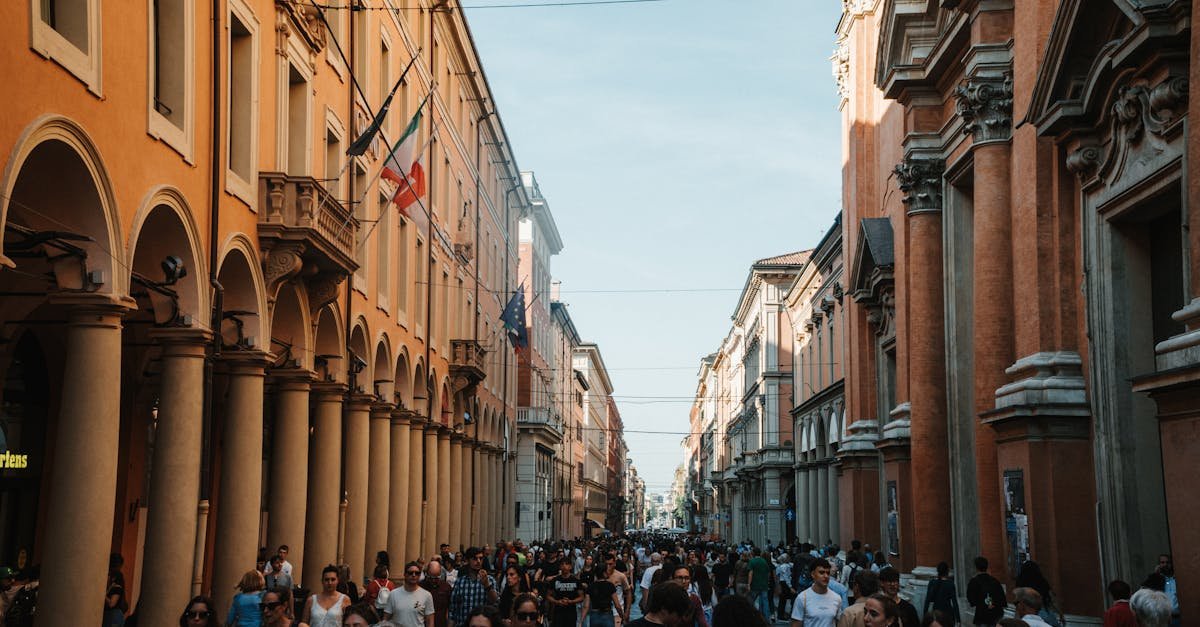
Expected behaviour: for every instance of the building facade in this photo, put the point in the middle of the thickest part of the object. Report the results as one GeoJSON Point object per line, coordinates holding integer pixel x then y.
{"type": "Point", "coordinates": [751, 402]}
{"type": "Point", "coordinates": [1021, 307]}
{"type": "Point", "coordinates": [813, 303]}
{"type": "Point", "coordinates": [593, 462]}
{"type": "Point", "coordinates": [219, 333]}
{"type": "Point", "coordinates": [539, 418]}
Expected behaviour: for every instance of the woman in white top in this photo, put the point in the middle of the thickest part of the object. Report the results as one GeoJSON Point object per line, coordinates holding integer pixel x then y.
{"type": "Point", "coordinates": [325, 609]}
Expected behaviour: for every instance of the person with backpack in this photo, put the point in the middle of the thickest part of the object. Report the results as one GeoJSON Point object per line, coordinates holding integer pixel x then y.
{"type": "Point", "coordinates": [986, 595]}
{"type": "Point", "coordinates": [376, 593]}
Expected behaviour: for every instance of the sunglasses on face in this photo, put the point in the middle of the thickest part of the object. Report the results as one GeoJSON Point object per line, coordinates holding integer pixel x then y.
{"type": "Point", "coordinates": [528, 616]}
{"type": "Point", "coordinates": [198, 614]}
{"type": "Point", "coordinates": [267, 606]}
{"type": "Point", "coordinates": [413, 573]}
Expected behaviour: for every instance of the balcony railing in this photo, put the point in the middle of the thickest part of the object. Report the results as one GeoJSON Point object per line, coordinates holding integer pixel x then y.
{"type": "Point", "coordinates": [539, 416]}
{"type": "Point", "coordinates": [299, 210]}
{"type": "Point", "coordinates": [467, 363]}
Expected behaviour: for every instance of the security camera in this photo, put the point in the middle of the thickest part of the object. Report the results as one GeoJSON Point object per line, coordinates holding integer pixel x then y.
{"type": "Point", "coordinates": [467, 419]}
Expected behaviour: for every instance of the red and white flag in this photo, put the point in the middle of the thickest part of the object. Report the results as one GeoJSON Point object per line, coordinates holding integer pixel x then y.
{"type": "Point", "coordinates": [403, 167]}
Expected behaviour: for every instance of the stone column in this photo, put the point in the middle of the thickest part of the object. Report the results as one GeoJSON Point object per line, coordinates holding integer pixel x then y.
{"type": "Point", "coordinates": [429, 536]}
{"type": "Point", "coordinates": [985, 104]}
{"type": "Point", "coordinates": [240, 497]}
{"type": "Point", "coordinates": [324, 482]}
{"type": "Point", "coordinates": [356, 471]}
{"type": "Point", "coordinates": [288, 493]}
{"type": "Point", "coordinates": [814, 503]}
{"type": "Point", "coordinates": [379, 486]}
{"type": "Point", "coordinates": [823, 499]}
{"type": "Point", "coordinates": [414, 473]}
{"type": "Point", "coordinates": [83, 477]}
{"type": "Point", "coordinates": [399, 470]}
{"type": "Point", "coordinates": [803, 531]}
{"type": "Point", "coordinates": [477, 535]}
{"type": "Point", "coordinates": [494, 496]}
{"type": "Point", "coordinates": [442, 524]}
{"type": "Point", "coordinates": [175, 474]}
{"type": "Point", "coordinates": [834, 505]}
{"type": "Point", "coordinates": [920, 181]}
{"type": "Point", "coordinates": [454, 511]}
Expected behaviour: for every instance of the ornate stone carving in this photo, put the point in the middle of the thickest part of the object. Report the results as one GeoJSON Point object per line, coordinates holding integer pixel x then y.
{"type": "Point", "coordinates": [841, 69]}
{"type": "Point", "coordinates": [1139, 108]}
{"type": "Point", "coordinates": [1084, 160]}
{"type": "Point", "coordinates": [280, 265]}
{"type": "Point", "coordinates": [322, 290]}
{"type": "Point", "coordinates": [858, 7]}
{"type": "Point", "coordinates": [921, 182]}
{"type": "Point", "coordinates": [306, 20]}
{"type": "Point", "coordinates": [985, 104]}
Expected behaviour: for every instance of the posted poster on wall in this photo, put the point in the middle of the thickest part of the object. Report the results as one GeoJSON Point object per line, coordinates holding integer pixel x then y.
{"type": "Point", "coordinates": [893, 519]}
{"type": "Point", "coordinates": [1016, 521]}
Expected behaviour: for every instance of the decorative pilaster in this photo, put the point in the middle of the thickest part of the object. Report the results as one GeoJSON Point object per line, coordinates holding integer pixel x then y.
{"type": "Point", "coordinates": [920, 179]}
{"type": "Point", "coordinates": [985, 104]}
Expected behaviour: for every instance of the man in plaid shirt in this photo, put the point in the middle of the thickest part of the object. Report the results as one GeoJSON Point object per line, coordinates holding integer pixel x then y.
{"type": "Point", "coordinates": [473, 588]}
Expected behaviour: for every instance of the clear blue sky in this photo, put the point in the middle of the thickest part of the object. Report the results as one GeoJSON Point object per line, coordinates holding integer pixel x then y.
{"type": "Point", "coordinates": [676, 142]}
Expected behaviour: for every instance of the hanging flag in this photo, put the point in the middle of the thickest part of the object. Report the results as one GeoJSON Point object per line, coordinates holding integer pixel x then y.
{"type": "Point", "coordinates": [403, 167]}
{"type": "Point", "coordinates": [360, 145]}
{"type": "Point", "coordinates": [514, 320]}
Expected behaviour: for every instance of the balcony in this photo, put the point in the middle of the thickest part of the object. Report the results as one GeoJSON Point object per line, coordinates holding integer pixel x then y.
{"type": "Point", "coordinates": [533, 418]}
{"type": "Point", "coordinates": [299, 215]}
{"type": "Point", "coordinates": [467, 363]}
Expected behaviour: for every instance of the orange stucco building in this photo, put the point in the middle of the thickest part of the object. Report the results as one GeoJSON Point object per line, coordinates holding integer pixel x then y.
{"type": "Point", "coordinates": [1022, 302]}
{"type": "Point", "coordinates": [218, 333]}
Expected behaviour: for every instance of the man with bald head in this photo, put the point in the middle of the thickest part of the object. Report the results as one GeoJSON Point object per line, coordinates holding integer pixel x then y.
{"type": "Point", "coordinates": [437, 586]}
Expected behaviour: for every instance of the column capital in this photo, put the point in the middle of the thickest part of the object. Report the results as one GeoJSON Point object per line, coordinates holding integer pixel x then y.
{"type": "Point", "coordinates": [381, 410]}
{"type": "Point", "coordinates": [92, 309]}
{"type": "Point", "coordinates": [443, 432]}
{"type": "Point", "coordinates": [985, 104]}
{"type": "Point", "coordinates": [291, 379]}
{"type": "Point", "coordinates": [360, 402]}
{"type": "Point", "coordinates": [246, 362]}
{"type": "Point", "coordinates": [431, 427]}
{"type": "Point", "coordinates": [920, 179]}
{"type": "Point", "coordinates": [326, 389]}
{"type": "Point", "coordinates": [407, 416]}
{"type": "Point", "coordinates": [457, 437]}
{"type": "Point", "coordinates": [181, 341]}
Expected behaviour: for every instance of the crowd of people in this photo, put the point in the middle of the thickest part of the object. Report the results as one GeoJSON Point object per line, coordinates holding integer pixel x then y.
{"type": "Point", "coordinates": [636, 580]}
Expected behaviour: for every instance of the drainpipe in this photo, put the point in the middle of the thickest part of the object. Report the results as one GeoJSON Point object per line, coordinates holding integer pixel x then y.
{"type": "Point", "coordinates": [214, 218]}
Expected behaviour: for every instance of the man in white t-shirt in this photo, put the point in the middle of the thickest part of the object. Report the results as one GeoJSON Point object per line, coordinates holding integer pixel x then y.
{"type": "Point", "coordinates": [287, 566]}
{"type": "Point", "coordinates": [648, 577]}
{"type": "Point", "coordinates": [410, 605]}
{"type": "Point", "coordinates": [817, 606]}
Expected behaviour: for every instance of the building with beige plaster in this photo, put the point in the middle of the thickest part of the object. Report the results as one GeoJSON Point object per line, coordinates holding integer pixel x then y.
{"type": "Point", "coordinates": [218, 333]}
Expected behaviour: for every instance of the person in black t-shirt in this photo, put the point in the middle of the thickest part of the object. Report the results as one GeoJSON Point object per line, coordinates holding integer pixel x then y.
{"type": "Point", "coordinates": [721, 572]}
{"type": "Point", "coordinates": [986, 595]}
{"type": "Point", "coordinates": [600, 600]}
{"type": "Point", "coordinates": [564, 591]}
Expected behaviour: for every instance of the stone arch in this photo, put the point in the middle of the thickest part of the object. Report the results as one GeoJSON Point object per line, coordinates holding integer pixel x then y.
{"type": "Point", "coordinates": [329, 344]}
{"type": "Point", "coordinates": [435, 395]}
{"type": "Point", "coordinates": [447, 402]}
{"type": "Point", "coordinates": [165, 219]}
{"type": "Point", "coordinates": [240, 275]}
{"type": "Point", "coordinates": [55, 180]}
{"type": "Point", "coordinates": [835, 426]}
{"type": "Point", "coordinates": [359, 349]}
{"type": "Point", "coordinates": [420, 389]}
{"type": "Point", "coordinates": [820, 427]}
{"type": "Point", "coordinates": [382, 379]}
{"type": "Point", "coordinates": [402, 387]}
{"type": "Point", "coordinates": [291, 327]}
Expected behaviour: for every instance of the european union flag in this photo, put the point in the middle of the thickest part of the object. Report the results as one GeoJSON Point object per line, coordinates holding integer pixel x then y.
{"type": "Point", "coordinates": [514, 320]}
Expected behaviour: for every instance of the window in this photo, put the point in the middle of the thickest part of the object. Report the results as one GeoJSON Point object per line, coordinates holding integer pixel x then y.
{"type": "Point", "coordinates": [360, 248]}
{"type": "Point", "coordinates": [68, 31]}
{"type": "Point", "coordinates": [359, 48]}
{"type": "Point", "coordinates": [402, 262]}
{"type": "Point", "coordinates": [242, 129]}
{"type": "Point", "coordinates": [298, 122]}
{"type": "Point", "coordinates": [333, 156]}
{"type": "Point", "coordinates": [421, 286]}
{"type": "Point", "coordinates": [336, 33]}
{"type": "Point", "coordinates": [383, 248]}
{"type": "Point", "coordinates": [172, 77]}
{"type": "Point", "coordinates": [444, 306]}
{"type": "Point", "coordinates": [385, 77]}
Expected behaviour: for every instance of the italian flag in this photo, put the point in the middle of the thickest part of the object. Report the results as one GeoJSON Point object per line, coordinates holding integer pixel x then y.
{"type": "Point", "coordinates": [403, 167]}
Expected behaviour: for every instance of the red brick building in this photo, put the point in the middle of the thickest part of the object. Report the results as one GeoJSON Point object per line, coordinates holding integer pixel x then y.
{"type": "Point", "coordinates": [1023, 293]}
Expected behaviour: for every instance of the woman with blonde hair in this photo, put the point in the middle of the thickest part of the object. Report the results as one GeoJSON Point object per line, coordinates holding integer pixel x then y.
{"type": "Point", "coordinates": [245, 611]}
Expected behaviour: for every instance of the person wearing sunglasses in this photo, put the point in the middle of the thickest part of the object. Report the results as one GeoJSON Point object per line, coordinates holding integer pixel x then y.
{"type": "Point", "coordinates": [275, 607]}
{"type": "Point", "coordinates": [410, 605]}
{"type": "Point", "coordinates": [526, 612]}
{"type": "Point", "coordinates": [199, 613]}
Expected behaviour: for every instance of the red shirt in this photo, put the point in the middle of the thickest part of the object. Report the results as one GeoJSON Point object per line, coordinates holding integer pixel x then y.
{"type": "Point", "coordinates": [1119, 615]}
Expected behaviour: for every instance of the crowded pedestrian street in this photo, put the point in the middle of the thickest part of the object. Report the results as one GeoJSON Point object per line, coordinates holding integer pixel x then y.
{"type": "Point", "coordinates": [599, 313]}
